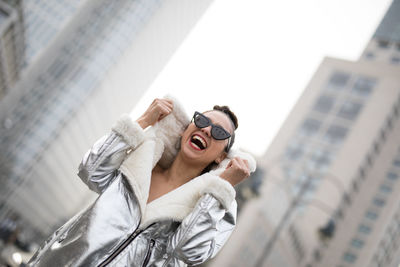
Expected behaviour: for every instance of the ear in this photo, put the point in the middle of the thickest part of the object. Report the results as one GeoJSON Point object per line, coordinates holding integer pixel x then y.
{"type": "Point", "coordinates": [221, 157]}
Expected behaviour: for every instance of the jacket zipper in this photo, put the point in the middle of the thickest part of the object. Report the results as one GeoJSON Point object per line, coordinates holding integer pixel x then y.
{"type": "Point", "coordinates": [148, 254]}
{"type": "Point", "coordinates": [124, 245]}
{"type": "Point", "coordinates": [120, 248]}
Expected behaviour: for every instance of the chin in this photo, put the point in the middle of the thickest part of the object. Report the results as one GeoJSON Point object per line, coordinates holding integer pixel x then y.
{"type": "Point", "coordinates": [190, 153]}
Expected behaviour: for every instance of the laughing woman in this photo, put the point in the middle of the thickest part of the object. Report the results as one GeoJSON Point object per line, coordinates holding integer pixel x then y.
{"type": "Point", "coordinates": [166, 195]}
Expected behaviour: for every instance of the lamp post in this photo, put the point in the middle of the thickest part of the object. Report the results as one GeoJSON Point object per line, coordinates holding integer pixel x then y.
{"type": "Point", "coordinates": [296, 200]}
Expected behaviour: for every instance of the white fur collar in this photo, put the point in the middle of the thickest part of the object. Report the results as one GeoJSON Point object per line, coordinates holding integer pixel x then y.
{"type": "Point", "coordinates": [159, 146]}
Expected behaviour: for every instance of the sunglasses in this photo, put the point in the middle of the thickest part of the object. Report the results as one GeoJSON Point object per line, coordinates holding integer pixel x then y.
{"type": "Point", "coordinates": [217, 132]}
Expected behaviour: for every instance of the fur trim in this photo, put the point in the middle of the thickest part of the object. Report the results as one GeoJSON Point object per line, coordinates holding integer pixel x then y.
{"type": "Point", "coordinates": [130, 130]}
{"type": "Point", "coordinates": [178, 203]}
{"type": "Point", "coordinates": [137, 167]}
{"type": "Point", "coordinates": [219, 188]}
{"type": "Point", "coordinates": [169, 130]}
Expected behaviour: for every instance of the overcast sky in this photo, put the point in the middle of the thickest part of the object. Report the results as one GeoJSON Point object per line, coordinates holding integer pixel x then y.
{"type": "Point", "coordinates": [258, 56]}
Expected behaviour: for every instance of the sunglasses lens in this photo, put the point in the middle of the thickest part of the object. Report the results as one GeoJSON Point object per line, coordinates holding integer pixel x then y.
{"type": "Point", "coordinates": [201, 121]}
{"type": "Point", "coordinates": [219, 133]}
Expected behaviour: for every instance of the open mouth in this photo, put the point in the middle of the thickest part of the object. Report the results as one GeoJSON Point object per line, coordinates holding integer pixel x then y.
{"type": "Point", "coordinates": [198, 142]}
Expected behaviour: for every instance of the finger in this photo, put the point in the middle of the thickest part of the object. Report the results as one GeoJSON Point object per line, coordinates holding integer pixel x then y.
{"type": "Point", "coordinates": [168, 102]}
{"type": "Point", "coordinates": [239, 162]}
{"type": "Point", "coordinates": [235, 160]}
{"type": "Point", "coordinates": [164, 103]}
{"type": "Point", "coordinates": [243, 167]}
{"type": "Point", "coordinates": [243, 163]}
{"type": "Point", "coordinates": [229, 164]}
{"type": "Point", "coordinates": [169, 106]}
{"type": "Point", "coordinates": [164, 111]}
{"type": "Point", "coordinates": [156, 102]}
{"type": "Point", "coordinates": [247, 163]}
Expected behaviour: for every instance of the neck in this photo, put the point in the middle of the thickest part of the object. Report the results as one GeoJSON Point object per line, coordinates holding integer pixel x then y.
{"type": "Point", "coordinates": [182, 171]}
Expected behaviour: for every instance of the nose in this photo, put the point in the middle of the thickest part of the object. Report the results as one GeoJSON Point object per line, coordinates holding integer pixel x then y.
{"type": "Point", "coordinates": [207, 130]}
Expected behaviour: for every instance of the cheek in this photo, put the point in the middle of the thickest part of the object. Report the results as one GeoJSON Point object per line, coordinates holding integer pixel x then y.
{"type": "Point", "coordinates": [218, 147]}
{"type": "Point", "coordinates": [187, 132]}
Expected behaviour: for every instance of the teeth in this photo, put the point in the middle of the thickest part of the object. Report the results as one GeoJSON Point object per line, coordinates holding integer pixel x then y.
{"type": "Point", "coordinates": [201, 140]}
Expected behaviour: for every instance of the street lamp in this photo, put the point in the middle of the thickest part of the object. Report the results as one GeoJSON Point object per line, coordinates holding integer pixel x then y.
{"type": "Point", "coordinates": [296, 200]}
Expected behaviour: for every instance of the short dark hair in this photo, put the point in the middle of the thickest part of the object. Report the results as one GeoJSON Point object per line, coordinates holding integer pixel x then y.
{"type": "Point", "coordinates": [233, 118]}
{"type": "Point", "coordinates": [228, 111]}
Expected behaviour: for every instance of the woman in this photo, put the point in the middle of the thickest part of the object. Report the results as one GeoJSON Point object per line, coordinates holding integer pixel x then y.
{"type": "Point", "coordinates": [159, 204]}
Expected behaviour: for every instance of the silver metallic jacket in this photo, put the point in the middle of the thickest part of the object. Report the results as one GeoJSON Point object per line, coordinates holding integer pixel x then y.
{"type": "Point", "coordinates": [185, 226]}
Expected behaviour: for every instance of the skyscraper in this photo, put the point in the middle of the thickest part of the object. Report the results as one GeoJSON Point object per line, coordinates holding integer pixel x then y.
{"type": "Point", "coordinates": [331, 196]}
{"type": "Point", "coordinates": [76, 55]}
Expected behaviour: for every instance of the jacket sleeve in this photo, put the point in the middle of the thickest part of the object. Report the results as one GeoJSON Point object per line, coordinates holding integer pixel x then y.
{"type": "Point", "coordinates": [100, 163]}
{"type": "Point", "coordinates": [202, 233]}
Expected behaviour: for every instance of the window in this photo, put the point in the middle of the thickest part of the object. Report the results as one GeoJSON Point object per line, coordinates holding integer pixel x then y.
{"type": "Point", "coordinates": [365, 229]}
{"type": "Point", "coordinates": [395, 60]}
{"type": "Point", "coordinates": [320, 159]}
{"type": "Point", "coordinates": [357, 243]}
{"type": "Point", "coordinates": [338, 80]}
{"type": "Point", "coordinates": [383, 44]}
{"type": "Point", "coordinates": [349, 110]}
{"type": "Point", "coordinates": [349, 257]}
{"type": "Point", "coordinates": [335, 134]}
{"type": "Point", "coordinates": [324, 103]}
{"type": "Point", "coordinates": [371, 215]}
{"type": "Point", "coordinates": [294, 151]}
{"type": "Point", "coordinates": [369, 55]}
{"type": "Point", "coordinates": [310, 126]}
{"type": "Point", "coordinates": [289, 172]}
{"type": "Point", "coordinates": [392, 175]}
{"type": "Point", "coordinates": [363, 86]}
{"type": "Point", "coordinates": [355, 185]}
{"type": "Point", "coordinates": [378, 202]}
{"type": "Point", "coordinates": [385, 188]}
{"type": "Point", "coordinates": [396, 162]}
{"type": "Point", "coordinates": [315, 182]}
{"type": "Point", "coordinates": [362, 172]}
{"type": "Point", "coordinates": [317, 256]}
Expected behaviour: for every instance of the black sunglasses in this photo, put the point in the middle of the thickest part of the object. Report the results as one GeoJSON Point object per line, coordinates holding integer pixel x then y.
{"type": "Point", "coordinates": [217, 132]}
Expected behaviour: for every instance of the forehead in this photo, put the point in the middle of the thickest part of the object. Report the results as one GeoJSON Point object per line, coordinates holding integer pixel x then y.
{"type": "Point", "coordinates": [220, 118]}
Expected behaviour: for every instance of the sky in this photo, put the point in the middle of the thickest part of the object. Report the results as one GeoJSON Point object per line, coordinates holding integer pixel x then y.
{"type": "Point", "coordinates": [258, 56]}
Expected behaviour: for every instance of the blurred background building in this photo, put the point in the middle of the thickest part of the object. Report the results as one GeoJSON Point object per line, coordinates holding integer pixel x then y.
{"type": "Point", "coordinates": [331, 191]}
{"type": "Point", "coordinates": [59, 61]}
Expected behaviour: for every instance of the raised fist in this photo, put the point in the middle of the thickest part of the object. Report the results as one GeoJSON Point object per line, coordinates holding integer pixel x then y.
{"type": "Point", "coordinates": [236, 171]}
{"type": "Point", "coordinates": [157, 110]}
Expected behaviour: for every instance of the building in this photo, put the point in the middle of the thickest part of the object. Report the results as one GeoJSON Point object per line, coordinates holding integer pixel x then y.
{"type": "Point", "coordinates": [331, 196]}
{"type": "Point", "coordinates": [11, 44]}
{"type": "Point", "coordinates": [70, 93]}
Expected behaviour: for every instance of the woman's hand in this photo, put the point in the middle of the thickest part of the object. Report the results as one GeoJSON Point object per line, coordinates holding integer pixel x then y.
{"type": "Point", "coordinates": [157, 110]}
{"type": "Point", "coordinates": [236, 171]}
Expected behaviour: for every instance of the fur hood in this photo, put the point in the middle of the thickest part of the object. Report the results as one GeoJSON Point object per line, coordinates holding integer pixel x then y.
{"type": "Point", "coordinates": [158, 144]}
